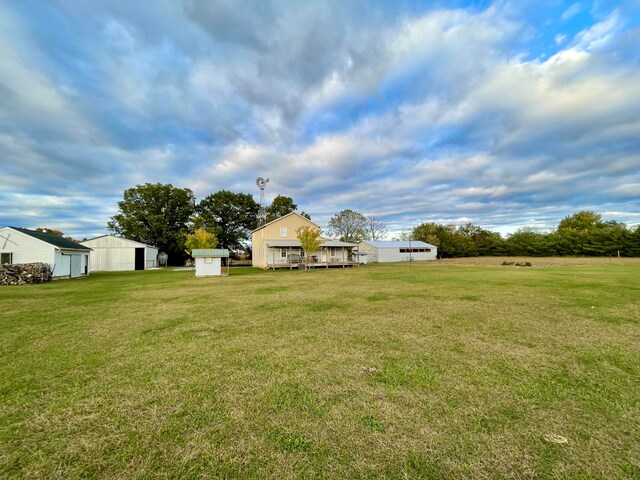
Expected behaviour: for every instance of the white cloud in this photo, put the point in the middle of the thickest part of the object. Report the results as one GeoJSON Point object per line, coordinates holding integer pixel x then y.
{"type": "Point", "coordinates": [572, 11]}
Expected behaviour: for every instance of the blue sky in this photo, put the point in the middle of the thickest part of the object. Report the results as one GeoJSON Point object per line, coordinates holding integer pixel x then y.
{"type": "Point", "coordinates": [504, 114]}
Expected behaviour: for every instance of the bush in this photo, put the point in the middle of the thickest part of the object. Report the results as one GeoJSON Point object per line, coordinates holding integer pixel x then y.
{"type": "Point", "coordinates": [523, 264]}
{"type": "Point", "coordinates": [507, 263]}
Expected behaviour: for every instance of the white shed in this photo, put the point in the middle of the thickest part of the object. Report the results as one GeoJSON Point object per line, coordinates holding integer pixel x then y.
{"type": "Point", "coordinates": [394, 251]}
{"type": "Point", "coordinates": [67, 259]}
{"type": "Point", "coordinates": [211, 262]}
{"type": "Point", "coordinates": [112, 254]}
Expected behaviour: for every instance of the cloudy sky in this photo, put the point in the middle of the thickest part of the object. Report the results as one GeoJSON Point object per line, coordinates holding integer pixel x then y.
{"type": "Point", "coordinates": [503, 114]}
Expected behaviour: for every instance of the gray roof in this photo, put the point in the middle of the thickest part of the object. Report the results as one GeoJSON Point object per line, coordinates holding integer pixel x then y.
{"type": "Point", "coordinates": [338, 243]}
{"type": "Point", "coordinates": [296, 243]}
{"type": "Point", "coordinates": [399, 244]}
{"type": "Point", "coordinates": [209, 252]}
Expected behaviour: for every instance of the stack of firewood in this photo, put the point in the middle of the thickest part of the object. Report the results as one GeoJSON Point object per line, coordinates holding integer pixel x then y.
{"type": "Point", "coordinates": [24, 274]}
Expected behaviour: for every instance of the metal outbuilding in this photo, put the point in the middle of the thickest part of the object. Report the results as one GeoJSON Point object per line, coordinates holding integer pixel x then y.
{"type": "Point", "coordinates": [111, 254]}
{"type": "Point", "coordinates": [398, 251]}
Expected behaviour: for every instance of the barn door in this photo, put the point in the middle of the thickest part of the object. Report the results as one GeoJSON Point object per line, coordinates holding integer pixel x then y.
{"type": "Point", "coordinates": [76, 265]}
{"type": "Point", "coordinates": [139, 258]}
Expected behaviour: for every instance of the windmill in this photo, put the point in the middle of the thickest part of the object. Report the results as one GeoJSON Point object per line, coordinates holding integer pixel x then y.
{"type": "Point", "coordinates": [262, 212]}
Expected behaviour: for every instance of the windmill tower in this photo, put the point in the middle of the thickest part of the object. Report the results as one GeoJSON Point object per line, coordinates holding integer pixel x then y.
{"type": "Point", "coordinates": [262, 212]}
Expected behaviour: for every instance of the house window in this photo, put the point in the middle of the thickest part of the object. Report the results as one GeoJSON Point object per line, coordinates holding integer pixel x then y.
{"type": "Point", "coordinates": [283, 253]}
{"type": "Point", "coordinates": [6, 258]}
{"type": "Point", "coordinates": [283, 231]}
{"type": "Point", "coordinates": [208, 260]}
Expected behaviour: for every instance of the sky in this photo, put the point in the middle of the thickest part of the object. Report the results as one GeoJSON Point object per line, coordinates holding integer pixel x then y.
{"type": "Point", "coordinates": [504, 114]}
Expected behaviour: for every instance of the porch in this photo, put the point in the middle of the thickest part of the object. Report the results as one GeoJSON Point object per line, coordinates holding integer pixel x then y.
{"type": "Point", "coordinates": [332, 254]}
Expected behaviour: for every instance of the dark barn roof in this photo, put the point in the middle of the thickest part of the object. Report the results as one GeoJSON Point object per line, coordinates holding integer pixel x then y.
{"type": "Point", "coordinates": [55, 240]}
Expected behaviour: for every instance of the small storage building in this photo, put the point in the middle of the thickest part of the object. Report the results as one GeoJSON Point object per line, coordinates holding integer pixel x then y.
{"type": "Point", "coordinates": [112, 254]}
{"type": "Point", "coordinates": [398, 251]}
{"type": "Point", "coordinates": [67, 259]}
{"type": "Point", "coordinates": [211, 262]}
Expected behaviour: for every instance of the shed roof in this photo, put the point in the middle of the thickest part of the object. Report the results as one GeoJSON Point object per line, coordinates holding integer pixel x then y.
{"type": "Point", "coordinates": [209, 252]}
{"type": "Point", "coordinates": [296, 243]}
{"type": "Point", "coordinates": [51, 239]}
{"type": "Point", "coordinates": [399, 244]}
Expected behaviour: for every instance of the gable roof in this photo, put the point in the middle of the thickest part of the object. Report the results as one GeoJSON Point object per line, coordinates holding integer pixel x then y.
{"type": "Point", "coordinates": [280, 218]}
{"type": "Point", "coordinates": [398, 244]}
{"type": "Point", "coordinates": [51, 239]}
{"type": "Point", "coordinates": [118, 238]}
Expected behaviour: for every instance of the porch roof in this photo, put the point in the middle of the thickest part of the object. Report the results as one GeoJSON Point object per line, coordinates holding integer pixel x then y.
{"type": "Point", "coordinates": [296, 243]}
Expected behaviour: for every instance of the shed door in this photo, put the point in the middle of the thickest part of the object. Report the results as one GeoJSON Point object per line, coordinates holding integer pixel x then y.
{"type": "Point", "coordinates": [139, 258]}
{"type": "Point", "coordinates": [76, 265]}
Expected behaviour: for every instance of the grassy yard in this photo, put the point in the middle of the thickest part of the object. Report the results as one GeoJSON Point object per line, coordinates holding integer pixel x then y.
{"type": "Point", "coordinates": [441, 370]}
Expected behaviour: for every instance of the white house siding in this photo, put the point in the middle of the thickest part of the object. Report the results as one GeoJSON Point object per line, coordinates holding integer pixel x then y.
{"type": "Point", "coordinates": [26, 249]}
{"type": "Point", "coordinates": [208, 267]}
{"type": "Point", "coordinates": [118, 254]}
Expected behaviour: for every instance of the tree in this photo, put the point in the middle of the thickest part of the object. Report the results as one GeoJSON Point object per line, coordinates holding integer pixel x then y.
{"type": "Point", "coordinates": [585, 221]}
{"type": "Point", "coordinates": [280, 206]}
{"type": "Point", "coordinates": [374, 229]}
{"type": "Point", "coordinates": [310, 241]}
{"type": "Point", "coordinates": [156, 214]}
{"type": "Point", "coordinates": [52, 231]}
{"type": "Point", "coordinates": [348, 225]}
{"type": "Point", "coordinates": [201, 239]}
{"type": "Point", "coordinates": [230, 215]}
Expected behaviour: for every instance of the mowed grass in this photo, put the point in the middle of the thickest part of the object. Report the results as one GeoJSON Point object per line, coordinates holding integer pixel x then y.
{"type": "Point", "coordinates": [429, 371]}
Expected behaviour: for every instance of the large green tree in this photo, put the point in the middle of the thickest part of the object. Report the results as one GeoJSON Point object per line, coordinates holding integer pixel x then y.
{"type": "Point", "coordinates": [280, 206]}
{"type": "Point", "coordinates": [156, 214]}
{"type": "Point", "coordinates": [231, 216]}
{"type": "Point", "coordinates": [586, 221]}
{"type": "Point", "coordinates": [348, 226]}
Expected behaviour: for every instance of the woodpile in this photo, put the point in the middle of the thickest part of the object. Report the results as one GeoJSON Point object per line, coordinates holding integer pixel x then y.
{"type": "Point", "coordinates": [24, 274]}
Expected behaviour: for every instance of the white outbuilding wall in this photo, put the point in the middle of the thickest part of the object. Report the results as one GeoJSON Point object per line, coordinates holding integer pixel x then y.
{"type": "Point", "coordinates": [208, 266]}
{"type": "Point", "coordinates": [119, 254]}
{"type": "Point", "coordinates": [402, 251]}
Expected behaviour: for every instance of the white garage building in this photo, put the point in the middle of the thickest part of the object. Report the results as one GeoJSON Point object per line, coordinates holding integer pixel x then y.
{"type": "Point", "coordinates": [67, 259]}
{"type": "Point", "coordinates": [112, 254]}
{"type": "Point", "coordinates": [393, 251]}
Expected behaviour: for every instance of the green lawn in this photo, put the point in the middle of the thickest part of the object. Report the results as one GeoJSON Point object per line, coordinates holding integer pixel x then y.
{"type": "Point", "coordinates": [433, 371]}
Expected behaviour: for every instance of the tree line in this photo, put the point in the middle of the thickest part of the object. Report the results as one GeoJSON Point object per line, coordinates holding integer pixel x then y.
{"type": "Point", "coordinates": [581, 234]}
{"type": "Point", "coordinates": [166, 216]}
{"type": "Point", "coordinates": [170, 218]}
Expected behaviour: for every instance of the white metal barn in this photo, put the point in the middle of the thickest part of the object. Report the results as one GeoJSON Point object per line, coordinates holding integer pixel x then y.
{"type": "Point", "coordinates": [67, 259]}
{"type": "Point", "coordinates": [403, 251]}
{"type": "Point", "coordinates": [211, 262]}
{"type": "Point", "coordinates": [113, 254]}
